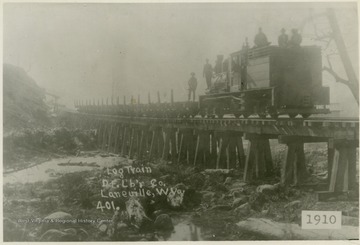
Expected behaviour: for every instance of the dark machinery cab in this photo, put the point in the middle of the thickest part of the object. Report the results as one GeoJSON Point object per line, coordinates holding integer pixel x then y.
{"type": "Point", "coordinates": [269, 80]}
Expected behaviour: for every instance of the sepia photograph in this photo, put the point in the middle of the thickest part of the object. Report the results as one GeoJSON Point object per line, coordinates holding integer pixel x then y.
{"type": "Point", "coordinates": [180, 121]}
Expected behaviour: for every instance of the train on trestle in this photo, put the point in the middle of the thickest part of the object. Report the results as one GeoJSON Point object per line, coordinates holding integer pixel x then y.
{"type": "Point", "coordinates": [266, 81]}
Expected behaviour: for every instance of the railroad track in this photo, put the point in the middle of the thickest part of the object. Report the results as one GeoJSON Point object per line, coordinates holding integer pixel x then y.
{"type": "Point", "coordinates": [350, 122]}
{"type": "Point", "coordinates": [284, 118]}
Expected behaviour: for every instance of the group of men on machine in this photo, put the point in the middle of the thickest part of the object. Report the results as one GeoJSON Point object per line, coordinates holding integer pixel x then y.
{"type": "Point", "coordinates": [259, 41]}
{"type": "Point", "coordinates": [283, 40]}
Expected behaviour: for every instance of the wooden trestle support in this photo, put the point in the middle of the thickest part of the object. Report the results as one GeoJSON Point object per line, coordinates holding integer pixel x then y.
{"type": "Point", "coordinates": [342, 165]}
{"type": "Point", "coordinates": [215, 149]}
{"type": "Point", "coordinates": [258, 157]}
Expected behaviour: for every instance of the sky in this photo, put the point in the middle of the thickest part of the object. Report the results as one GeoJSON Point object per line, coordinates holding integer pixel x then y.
{"type": "Point", "coordinates": [92, 51]}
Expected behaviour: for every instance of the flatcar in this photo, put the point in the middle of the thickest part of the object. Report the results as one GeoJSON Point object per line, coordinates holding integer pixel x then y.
{"type": "Point", "coordinates": [267, 81]}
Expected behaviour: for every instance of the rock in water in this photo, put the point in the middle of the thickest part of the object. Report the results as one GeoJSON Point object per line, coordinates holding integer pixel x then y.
{"type": "Point", "coordinates": [102, 227]}
{"type": "Point", "coordinates": [136, 212]}
{"type": "Point", "coordinates": [158, 212]}
{"type": "Point", "coordinates": [266, 188]}
{"type": "Point", "coordinates": [52, 235]}
{"type": "Point", "coordinates": [293, 204]}
{"type": "Point", "coordinates": [58, 220]}
{"type": "Point", "coordinates": [59, 216]}
{"type": "Point", "coordinates": [57, 235]}
{"type": "Point", "coordinates": [70, 231]}
{"type": "Point", "coordinates": [163, 222]}
{"type": "Point", "coordinates": [243, 209]}
{"type": "Point", "coordinates": [236, 192]}
{"type": "Point", "coordinates": [228, 181]}
{"type": "Point", "coordinates": [239, 201]}
{"type": "Point", "coordinates": [121, 226]}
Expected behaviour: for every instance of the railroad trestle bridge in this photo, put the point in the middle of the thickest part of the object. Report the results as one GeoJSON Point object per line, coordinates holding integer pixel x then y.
{"type": "Point", "coordinates": [219, 143]}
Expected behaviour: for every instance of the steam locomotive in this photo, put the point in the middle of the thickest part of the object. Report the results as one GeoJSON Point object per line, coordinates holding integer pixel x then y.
{"type": "Point", "coordinates": [266, 81]}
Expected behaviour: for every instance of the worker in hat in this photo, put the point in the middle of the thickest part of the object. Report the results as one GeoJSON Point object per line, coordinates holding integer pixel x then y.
{"type": "Point", "coordinates": [192, 85]}
{"type": "Point", "coordinates": [283, 39]}
{"type": "Point", "coordinates": [295, 39]}
{"type": "Point", "coordinates": [260, 39]}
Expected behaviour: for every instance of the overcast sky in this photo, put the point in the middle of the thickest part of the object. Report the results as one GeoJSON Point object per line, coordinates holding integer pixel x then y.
{"type": "Point", "coordinates": [78, 50]}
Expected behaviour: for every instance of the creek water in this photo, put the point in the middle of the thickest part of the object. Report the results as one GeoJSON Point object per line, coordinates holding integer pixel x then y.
{"type": "Point", "coordinates": [184, 229]}
{"type": "Point", "coordinates": [52, 169]}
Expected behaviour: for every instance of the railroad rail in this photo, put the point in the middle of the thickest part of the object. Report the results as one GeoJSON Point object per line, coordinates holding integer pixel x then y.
{"type": "Point", "coordinates": [337, 128]}
{"type": "Point", "coordinates": [218, 143]}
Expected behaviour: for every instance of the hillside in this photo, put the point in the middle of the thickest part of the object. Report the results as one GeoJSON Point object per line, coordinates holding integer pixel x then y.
{"type": "Point", "coordinates": [23, 100]}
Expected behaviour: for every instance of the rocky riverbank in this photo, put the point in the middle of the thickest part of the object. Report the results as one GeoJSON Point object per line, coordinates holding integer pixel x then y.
{"type": "Point", "coordinates": [183, 203]}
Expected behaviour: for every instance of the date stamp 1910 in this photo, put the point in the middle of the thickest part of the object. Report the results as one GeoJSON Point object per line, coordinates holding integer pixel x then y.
{"type": "Point", "coordinates": [315, 219]}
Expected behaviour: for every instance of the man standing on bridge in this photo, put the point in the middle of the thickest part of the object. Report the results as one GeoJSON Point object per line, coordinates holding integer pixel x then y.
{"type": "Point", "coordinates": [192, 85]}
{"type": "Point", "coordinates": [207, 73]}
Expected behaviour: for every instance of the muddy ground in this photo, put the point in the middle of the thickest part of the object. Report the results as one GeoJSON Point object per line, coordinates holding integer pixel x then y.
{"type": "Point", "coordinates": [207, 206]}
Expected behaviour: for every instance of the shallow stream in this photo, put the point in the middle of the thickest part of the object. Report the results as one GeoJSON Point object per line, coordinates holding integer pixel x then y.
{"type": "Point", "coordinates": [184, 229]}
{"type": "Point", "coordinates": [52, 169]}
